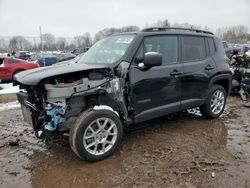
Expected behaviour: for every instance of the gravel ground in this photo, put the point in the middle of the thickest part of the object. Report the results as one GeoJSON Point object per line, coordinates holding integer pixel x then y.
{"type": "Point", "coordinates": [181, 150]}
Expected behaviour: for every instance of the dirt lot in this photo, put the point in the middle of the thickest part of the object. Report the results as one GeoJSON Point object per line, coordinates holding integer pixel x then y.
{"type": "Point", "coordinates": [181, 150]}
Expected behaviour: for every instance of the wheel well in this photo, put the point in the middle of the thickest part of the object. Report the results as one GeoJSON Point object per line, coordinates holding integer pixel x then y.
{"type": "Point", "coordinates": [224, 83]}
{"type": "Point", "coordinates": [107, 100]}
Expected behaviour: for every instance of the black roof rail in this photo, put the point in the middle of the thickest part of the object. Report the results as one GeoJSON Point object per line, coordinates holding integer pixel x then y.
{"type": "Point", "coordinates": [150, 29]}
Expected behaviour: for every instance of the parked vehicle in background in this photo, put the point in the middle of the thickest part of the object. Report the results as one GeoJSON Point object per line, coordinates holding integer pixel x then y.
{"type": "Point", "coordinates": [123, 80]}
{"type": "Point", "coordinates": [228, 50]}
{"type": "Point", "coordinates": [245, 49]}
{"type": "Point", "coordinates": [44, 59]}
{"type": "Point", "coordinates": [64, 56]}
{"type": "Point", "coordinates": [4, 54]}
{"type": "Point", "coordinates": [51, 58]}
{"type": "Point", "coordinates": [25, 55]}
{"type": "Point", "coordinates": [80, 50]}
{"type": "Point", "coordinates": [238, 48]}
{"type": "Point", "coordinates": [71, 61]}
{"type": "Point", "coordinates": [10, 66]}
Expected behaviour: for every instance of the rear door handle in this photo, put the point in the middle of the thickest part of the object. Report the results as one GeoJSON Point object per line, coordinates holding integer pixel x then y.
{"type": "Point", "coordinates": [209, 67]}
{"type": "Point", "coordinates": [176, 73]}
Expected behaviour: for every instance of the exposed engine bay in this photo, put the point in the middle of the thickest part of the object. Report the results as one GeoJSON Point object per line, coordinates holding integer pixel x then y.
{"type": "Point", "coordinates": [56, 102]}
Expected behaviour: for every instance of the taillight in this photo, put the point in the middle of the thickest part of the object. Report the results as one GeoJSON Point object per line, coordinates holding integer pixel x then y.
{"type": "Point", "coordinates": [1, 62]}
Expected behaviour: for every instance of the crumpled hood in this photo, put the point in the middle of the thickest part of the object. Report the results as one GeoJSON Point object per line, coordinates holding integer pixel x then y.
{"type": "Point", "coordinates": [34, 76]}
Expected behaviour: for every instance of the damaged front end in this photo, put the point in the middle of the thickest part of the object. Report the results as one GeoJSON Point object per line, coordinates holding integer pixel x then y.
{"type": "Point", "coordinates": [53, 97]}
{"type": "Point", "coordinates": [53, 105]}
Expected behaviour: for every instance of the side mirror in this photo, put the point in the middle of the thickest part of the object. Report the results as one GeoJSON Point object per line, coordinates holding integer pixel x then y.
{"type": "Point", "coordinates": [152, 59]}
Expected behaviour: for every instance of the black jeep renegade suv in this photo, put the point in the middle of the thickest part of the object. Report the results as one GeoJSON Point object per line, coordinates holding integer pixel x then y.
{"type": "Point", "coordinates": [125, 79]}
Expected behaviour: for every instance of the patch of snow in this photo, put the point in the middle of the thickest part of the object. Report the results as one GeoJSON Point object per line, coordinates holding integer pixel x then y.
{"type": "Point", "coordinates": [9, 105]}
{"type": "Point", "coordinates": [8, 88]}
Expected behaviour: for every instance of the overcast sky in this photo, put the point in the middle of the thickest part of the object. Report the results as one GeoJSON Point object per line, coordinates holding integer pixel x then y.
{"type": "Point", "coordinates": [73, 17]}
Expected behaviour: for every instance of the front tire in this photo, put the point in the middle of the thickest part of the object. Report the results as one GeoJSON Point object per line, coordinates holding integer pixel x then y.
{"type": "Point", "coordinates": [215, 102]}
{"type": "Point", "coordinates": [96, 134]}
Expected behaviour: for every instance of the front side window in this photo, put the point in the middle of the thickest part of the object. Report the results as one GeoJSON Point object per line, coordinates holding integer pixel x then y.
{"type": "Point", "coordinates": [108, 50]}
{"type": "Point", "coordinates": [167, 46]}
{"type": "Point", "coordinates": [193, 48]}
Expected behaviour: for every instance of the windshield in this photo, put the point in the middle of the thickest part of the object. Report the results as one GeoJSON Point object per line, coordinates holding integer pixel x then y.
{"type": "Point", "coordinates": [108, 50]}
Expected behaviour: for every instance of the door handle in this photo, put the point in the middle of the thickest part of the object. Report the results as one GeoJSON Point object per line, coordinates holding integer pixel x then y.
{"type": "Point", "coordinates": [176, 73]}
{"type": "Point", "coordinates": [209, 67]}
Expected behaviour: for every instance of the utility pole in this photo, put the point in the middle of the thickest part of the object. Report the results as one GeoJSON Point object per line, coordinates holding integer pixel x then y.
{"type": "Point", "coordinates": [41, 38]}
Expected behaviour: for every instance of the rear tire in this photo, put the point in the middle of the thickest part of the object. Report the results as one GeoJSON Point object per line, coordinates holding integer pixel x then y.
{"type": "Point", "coordinates": [96, 134]}
{"type": "Point", "coordinates": [215, 102]}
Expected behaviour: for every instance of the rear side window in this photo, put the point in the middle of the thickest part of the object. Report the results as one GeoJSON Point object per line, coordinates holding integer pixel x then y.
{"type": "Point", "coordinates": [167, 46]}
{"type": "Point", "coordinates": [211, 45]}
{"type": "Point", "coordinates": [193, 48]}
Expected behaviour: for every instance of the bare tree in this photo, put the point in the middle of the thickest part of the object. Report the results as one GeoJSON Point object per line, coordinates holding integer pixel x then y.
{"type": "Point", "coordinates": [3, 45]}
{"type": "Point", "coordinates": [19, 43]}
{"type": "Point", "coordinates": [186, 25]}
{"type": "Point", "coordinates": [110, 31]}
{"type": "Point", "coordinates": [161, 23]}
{"type": "Point", "coordinates": [234, 34]}
{"type": "Point", "coordinates": [83, 41]}
{"type": "Point", "coordinates": [130, 28]}
{"type": "Point", "coordinates": [48, 40]}
{"type": "Point", "coordinates": [88, 40]}
{"type": "Point", "coordinates": [60, 43]}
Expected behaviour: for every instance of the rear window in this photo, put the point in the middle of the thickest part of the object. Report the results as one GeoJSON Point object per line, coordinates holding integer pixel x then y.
{"type": "Point", "coordinates": [193, 48]}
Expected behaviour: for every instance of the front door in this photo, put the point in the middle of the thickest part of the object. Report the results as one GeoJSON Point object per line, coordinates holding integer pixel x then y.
{"type": "Point", "coordinates": [157, 91]}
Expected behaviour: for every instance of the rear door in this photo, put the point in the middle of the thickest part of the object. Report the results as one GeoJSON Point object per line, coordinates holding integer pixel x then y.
{"type": "Point", "coordinates": [198, 67]}
{"type": "Point", "coordinates": [156, 91]}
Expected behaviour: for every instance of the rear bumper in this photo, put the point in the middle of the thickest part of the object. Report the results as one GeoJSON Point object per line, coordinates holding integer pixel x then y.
{"type": "Point", "coordinates": [22, 98]}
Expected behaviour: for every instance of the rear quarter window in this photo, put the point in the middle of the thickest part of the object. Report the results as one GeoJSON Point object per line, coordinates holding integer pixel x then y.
{"type": "Point", "coordinates": [211, 45]}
